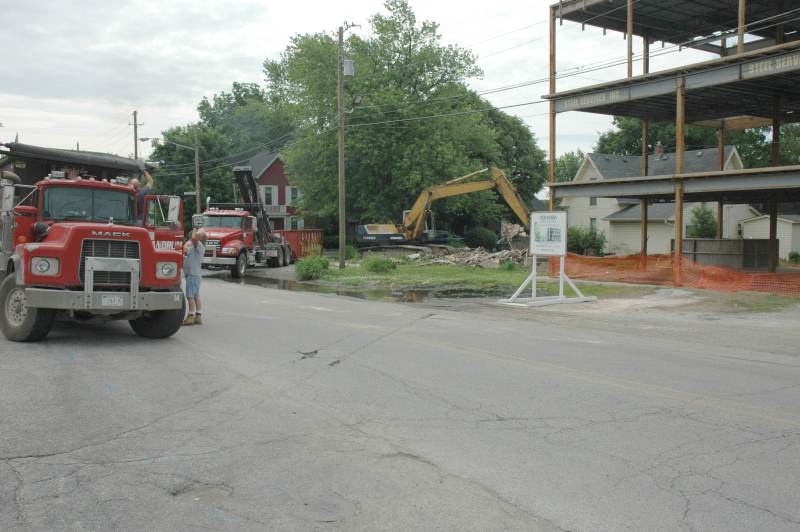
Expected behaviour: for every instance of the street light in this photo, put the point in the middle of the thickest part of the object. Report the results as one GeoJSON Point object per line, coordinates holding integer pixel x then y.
{"type": "Point", "coordinates": [196, 151]}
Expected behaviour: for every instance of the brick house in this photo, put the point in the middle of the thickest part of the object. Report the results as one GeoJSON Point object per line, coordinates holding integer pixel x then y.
{"type": "Point", "coordinates": [275, 190]}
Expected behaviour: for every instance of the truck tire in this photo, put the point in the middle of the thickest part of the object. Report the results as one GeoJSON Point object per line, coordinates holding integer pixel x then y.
{"type": "Point", "coordinates": [287, 256]}
{"type": "Point", "coordinates": [239, 269]}
{"type": "Point", "coordinates": [21, 323]}
{"type": "Point", "coordinates": [159, 323]}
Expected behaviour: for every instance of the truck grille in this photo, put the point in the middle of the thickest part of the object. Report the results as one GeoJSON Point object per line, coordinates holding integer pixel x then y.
{"type": "Point", "coordinates": [212, 245]}
{"type": "Point", "coordinates": [118, 249]}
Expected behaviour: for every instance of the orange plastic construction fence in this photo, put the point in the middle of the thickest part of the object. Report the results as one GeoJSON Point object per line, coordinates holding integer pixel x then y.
{"type": "Point", "coordinates": [663, 270]}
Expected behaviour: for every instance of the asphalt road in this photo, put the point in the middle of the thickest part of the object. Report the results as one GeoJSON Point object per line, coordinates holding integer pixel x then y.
{"type": "Point", "coordinates": [299, 411]}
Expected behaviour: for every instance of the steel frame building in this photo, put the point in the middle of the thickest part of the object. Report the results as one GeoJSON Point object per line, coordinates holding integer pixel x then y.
{"type": "Point", "coordinates": [755, 82]}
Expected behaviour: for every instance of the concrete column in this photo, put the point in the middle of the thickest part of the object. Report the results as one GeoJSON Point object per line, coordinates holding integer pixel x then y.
{"type": "Point", "coordinates": [552, 141]}
{"type": "Point", "coordinates": [678, 222]}
{"type": "Point", "coordinates": [720, 203]}
{"type": "Point", "coordinates": [643, 247]}
{"type": "Point", "coordinates": [680, 151]}
{"type": "Point", "coordinates": [773, 237]}
{"type": "Point", "coordinates": [741, 26]}
{"type": "Point", "coordinates": [629, 35]}
{"type": "Point", "coordinates": [680, 126]}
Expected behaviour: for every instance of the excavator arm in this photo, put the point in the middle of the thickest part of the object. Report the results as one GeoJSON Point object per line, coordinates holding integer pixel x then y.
{"type": "Point", "coordinates": [414, 221]}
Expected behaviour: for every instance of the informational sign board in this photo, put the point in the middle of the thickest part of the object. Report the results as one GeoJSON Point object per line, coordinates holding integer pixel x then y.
{"type": "Point", "coordinates": [549, 234]}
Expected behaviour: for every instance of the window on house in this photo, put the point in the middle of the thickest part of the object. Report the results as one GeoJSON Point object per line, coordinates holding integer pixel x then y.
{"type": "Point", "coordinates": [295, 223]}
{"type": "Point", "coordinates": [593, 224]}
{"type": "Point", "coordinates": [292, 193]}
{"type": "Point", "coordinates": [269, 193]}
{"type": "Point", "coordinates": [593, 201]}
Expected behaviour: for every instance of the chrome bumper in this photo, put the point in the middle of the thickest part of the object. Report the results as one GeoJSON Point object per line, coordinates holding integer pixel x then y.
{"type": "Point", "coordinates": [219, 261]}
{"type": "Point", "coordinates": [105, 301]}
{"type": "Point", "coordinates": [90, 299]}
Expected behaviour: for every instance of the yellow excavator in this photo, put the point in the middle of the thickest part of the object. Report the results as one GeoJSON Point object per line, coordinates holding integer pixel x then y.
{"type": "Point", "coordinates": [412, 230]}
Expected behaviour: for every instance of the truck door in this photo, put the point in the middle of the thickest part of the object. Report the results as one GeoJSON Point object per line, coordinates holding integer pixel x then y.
{"type": "Point", "coordinates": [248, 232]}
{"type": "Point", "coordinates": [165, 226]}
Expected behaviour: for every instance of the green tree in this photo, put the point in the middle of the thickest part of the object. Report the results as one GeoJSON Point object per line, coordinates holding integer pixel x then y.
{"type": "Point", "coordinates": [568, 164]}
{"type": "Point", "coordinates": [625, 137]}
{"type": "Point", "coordinates": [703, 223]}
{"type": "Point", "coordinates": [175, 172]}
{"type": "Point", "coordinates": [393, 149]}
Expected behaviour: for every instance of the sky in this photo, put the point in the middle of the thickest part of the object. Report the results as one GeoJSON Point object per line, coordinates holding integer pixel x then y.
{"type": "Point", "coordinates": [74, 71]}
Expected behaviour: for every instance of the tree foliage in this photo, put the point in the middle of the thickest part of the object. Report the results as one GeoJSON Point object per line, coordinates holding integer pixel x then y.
{"type": "Point", "coordinates": [405, 74]}
{"type": "Point", "coordinates": [568, 164]}
{"type": "Point", "coordinates": [703, 223]}
{"type": "Point", "coordinates": [625, 137]}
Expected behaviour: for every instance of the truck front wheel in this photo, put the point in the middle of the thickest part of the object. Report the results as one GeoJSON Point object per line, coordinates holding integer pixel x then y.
{"type": "Point", "coordinates": [159, 323]}
{"type": "Point", "coordinates": [21, 323]}
{"type": "Point", "coordinates": [240, 267]}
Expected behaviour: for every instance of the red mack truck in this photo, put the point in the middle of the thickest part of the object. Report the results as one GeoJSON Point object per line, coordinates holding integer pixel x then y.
{"type": "Point", "coordinates": [240, 235]}
{"type": "Point", "coordinates": [79, 249]}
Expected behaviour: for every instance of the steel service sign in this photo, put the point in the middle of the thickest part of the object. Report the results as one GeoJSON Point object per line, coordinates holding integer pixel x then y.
{"type": "Point", "coordinates": [549, 233]}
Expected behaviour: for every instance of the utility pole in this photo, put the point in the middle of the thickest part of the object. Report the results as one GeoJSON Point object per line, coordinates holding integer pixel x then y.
{"type": "Point", "coordinates": [136, 125]}
{"type": "Point", "coordinates": [196, 171]}
{"type": "Point", "coordinates": [340, 97]}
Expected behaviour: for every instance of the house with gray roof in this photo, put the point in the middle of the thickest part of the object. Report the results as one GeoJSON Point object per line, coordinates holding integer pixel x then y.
{"type": "Point", "coordinates": [620, 219]}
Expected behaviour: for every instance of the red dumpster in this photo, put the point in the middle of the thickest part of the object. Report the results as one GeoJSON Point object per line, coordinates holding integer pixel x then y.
{"type": "Point", "coordinates": [303, 242]}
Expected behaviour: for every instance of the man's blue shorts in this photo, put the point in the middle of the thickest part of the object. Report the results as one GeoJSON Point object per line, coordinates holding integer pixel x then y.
{"type": "Point", "coordinates": [192, 285]}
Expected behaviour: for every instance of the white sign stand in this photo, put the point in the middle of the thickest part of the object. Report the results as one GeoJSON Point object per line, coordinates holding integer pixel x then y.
{"type": "Point", "coordinates": [548, 238]}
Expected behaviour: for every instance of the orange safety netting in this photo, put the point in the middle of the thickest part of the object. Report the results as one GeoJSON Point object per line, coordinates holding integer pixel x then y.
{"type": "Point", "coordinates": [663, 270]}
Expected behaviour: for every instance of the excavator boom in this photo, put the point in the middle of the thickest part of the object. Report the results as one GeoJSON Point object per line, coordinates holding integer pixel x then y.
{"type": "Point", "coordinates": [413, 223]}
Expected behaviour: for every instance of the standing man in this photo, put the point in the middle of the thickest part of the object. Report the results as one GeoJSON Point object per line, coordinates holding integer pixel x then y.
{"type": "Point", "coordinates": [141, 192]}
{"type": "Point", "coordinates": [194, 249]}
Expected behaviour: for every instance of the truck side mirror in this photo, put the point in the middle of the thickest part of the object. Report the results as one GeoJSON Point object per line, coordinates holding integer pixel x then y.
{"type": "Point", "coordinates": [7, 200]}
{"type": "Point", "coordinates": [174, 212]}
{"type": "Point", "coordinates": [197, 220]}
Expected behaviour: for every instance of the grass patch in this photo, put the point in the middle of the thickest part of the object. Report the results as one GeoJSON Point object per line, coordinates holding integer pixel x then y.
{"type": "Point", "coordinates": [456, 277]}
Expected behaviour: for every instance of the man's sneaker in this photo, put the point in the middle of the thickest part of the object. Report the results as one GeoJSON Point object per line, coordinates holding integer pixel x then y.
{"type": "Point", "coordinates": [189, 320]}
{"type": "Point", "coordinates": [198, 320]}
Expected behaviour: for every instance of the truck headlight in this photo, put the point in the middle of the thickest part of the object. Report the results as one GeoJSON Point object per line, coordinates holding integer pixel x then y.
{"type": "Point", "coordinates": [45, 266]}
{"type": "Point", "coordinates": [229, 251]}
{"type": "Point", "coordinates": [166, 270]}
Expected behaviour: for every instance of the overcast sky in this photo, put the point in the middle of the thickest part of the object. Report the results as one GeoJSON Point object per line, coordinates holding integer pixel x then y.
{"type": "Point", "coordinates": [73, 71]}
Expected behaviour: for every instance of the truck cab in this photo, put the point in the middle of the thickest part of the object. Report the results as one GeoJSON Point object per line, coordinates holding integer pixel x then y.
{"type": "Point", "coordinates": [232, 241]}
{"type": "Point", "coordinates": [78, 248]}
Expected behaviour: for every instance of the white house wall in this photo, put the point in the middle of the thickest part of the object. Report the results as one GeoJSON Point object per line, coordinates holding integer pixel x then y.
{"type": "Point", "coordinates": [625, 238]}
{"type": "Point", "coordinates": [788, 234]}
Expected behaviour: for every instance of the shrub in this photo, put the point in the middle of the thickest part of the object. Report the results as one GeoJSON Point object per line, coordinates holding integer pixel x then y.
{"type": "Point", "coordinates": [311, 268]}
{"type": "Point", "coordinates": [378, 264]}
{"type": "Point", "coordinates": [351, 252]}
{"type": "Point", "coordinates": [703, 224]}
{"type": "Point", "coordinates": [480, 237]}
{"type": "Point", "coordinates": [585, 241]}
{"type": "Point", "coordinates": [509, 266]}
{"type": "Point", "coordinates": [794, 257]}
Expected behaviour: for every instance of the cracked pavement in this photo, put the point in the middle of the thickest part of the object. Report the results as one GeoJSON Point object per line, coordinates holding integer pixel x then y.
{"type": "Point", "coordinates": [301, 411]}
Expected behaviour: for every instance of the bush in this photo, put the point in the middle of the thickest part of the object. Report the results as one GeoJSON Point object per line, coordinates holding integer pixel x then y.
{"type": "Point", "coordinates": [351, 252]}
{"type": "Point", "coordinates": [794, 257]}
{"type": "Point", "coordinates": [585, 241]}
{"type": "Point", "coordinates": [703, 224]}
{"type": "Point", "coordinates": [311, 268]}
{"type": "Point", "coordinates": [480, 237]}
{"type": "Point", "coordinates": [509, 266]}
{"type": "Point", "coordinates": [378, 264]}
{"type": "Point", "coordinates": [330, 241]}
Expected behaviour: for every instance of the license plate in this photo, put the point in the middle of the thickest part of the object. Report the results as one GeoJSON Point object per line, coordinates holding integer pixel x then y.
{"type": "Point", "coordinates": [272, 253]}
{"type": "Point", "coordinates": [111, 301]}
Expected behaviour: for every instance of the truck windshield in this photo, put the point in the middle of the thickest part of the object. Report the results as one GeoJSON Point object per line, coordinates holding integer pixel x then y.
{"type": "Point", "coordinates": [222, 222]}
{"type": "Point", "coordinates": [88, 204]}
